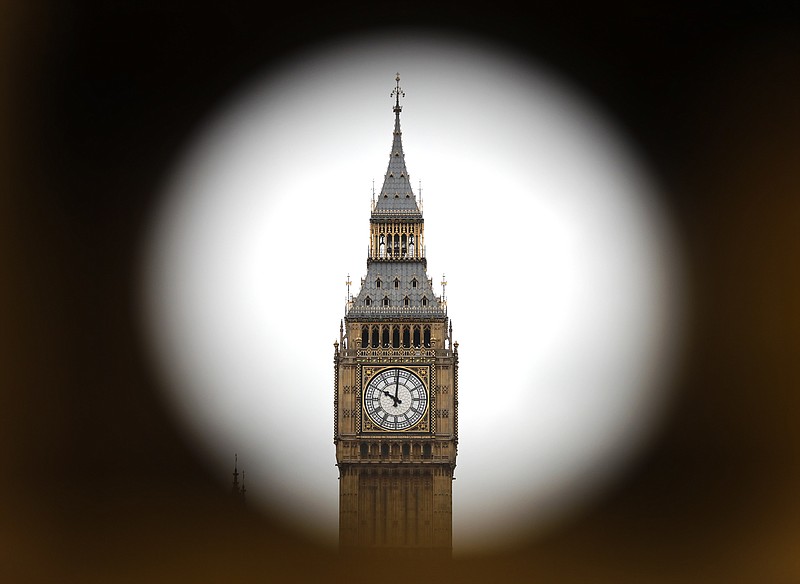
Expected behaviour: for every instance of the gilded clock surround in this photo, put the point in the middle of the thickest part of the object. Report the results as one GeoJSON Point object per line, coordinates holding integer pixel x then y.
{"type": "Point", "coordinates": [395, 486]}
{"type": "Point", "coordinates": [425, 373]}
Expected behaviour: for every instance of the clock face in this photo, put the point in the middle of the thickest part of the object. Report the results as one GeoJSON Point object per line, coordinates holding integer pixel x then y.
{"type": "Point", "coordinates": [395, 399]}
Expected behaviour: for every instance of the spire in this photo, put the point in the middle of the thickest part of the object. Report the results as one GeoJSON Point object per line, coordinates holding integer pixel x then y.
{"type": "Point", "coordinates": [235, 488]}
{"type": "Point", "coordinates": [396, 194]}
{"type": "Point", "coordinates": [397, 284]}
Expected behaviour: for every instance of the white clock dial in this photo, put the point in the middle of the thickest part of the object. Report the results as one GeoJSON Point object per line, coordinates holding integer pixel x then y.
{"type": "Point", "coordinates": [395, 399]}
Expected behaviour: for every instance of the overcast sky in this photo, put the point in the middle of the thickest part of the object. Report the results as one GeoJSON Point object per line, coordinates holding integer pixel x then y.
{"type": "Point", "coordinates": [562, 278]}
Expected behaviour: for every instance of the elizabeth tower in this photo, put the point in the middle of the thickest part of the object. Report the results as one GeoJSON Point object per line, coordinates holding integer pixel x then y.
{"type": "Point", "coordinates": [396, 384]}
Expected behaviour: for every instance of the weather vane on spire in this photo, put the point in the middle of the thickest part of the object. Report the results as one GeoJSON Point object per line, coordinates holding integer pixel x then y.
{"type": "Point", "coordinates": [397, 93]}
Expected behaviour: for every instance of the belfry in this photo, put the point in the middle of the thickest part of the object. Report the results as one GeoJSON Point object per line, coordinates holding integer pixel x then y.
{"type": "Point", "coordinates": [396, 384]}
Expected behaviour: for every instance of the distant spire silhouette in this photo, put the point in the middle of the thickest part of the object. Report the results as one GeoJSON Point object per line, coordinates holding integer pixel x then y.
{"type": "Point", "coordinates": [237, 489]}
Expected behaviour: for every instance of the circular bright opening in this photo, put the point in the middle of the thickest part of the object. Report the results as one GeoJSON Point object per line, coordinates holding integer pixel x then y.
{"type": "Point", "coordinates": [562, 282]}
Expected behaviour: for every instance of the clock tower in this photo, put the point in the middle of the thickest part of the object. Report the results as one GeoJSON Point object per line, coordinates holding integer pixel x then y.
{"type": "Point", "coordinates": [396, 384]}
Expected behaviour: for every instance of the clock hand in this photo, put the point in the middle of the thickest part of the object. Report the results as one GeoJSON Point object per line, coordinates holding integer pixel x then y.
{"type": "Point", "coordinates": [396, 401]}
{"type": "Point", "coordinates": [396, 387]}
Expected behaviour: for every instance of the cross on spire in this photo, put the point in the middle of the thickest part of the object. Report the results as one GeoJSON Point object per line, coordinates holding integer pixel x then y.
{"type": "Point", "coordinates": [397, 93]}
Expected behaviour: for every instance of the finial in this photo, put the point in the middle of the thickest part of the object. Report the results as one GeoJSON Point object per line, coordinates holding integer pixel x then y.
{"type": "Point", "coordinates": [397, 92]}
{"type": "Point", "coordinates": [444, 286]}
{"type": "Point", "coordinates": [348, 283]}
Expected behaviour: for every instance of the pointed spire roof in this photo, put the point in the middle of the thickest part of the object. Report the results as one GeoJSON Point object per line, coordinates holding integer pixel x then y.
{"type": "Point", "coordinates": [396, 195]}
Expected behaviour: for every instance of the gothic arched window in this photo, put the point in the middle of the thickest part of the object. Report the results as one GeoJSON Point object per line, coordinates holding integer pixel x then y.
{"type": "Point", "coordinates": [386, 301]}
{"type": "Point", "coordinates": [378, 283]}
{"type": "Point", "coordinates": [375, 338]}
{"type": "Point", "coordinates": [367, 301]}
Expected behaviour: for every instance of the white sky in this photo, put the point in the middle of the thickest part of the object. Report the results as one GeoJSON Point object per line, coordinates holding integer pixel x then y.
{"type": "Point", "coordinates": [562, 282]}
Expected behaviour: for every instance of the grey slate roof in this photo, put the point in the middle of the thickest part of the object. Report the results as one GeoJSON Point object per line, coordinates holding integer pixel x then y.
{"type": "Point", "coordinates": [405, 272]}
{"type": "Point", "coordinates": [396, 194]}
{"type": "Point", "coordinates": [395, 203]}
